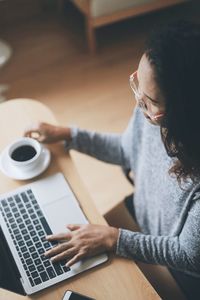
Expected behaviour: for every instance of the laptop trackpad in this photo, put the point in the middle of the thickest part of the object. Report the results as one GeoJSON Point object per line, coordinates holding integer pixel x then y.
{"type": "Point", "coordinates": [62, 212]}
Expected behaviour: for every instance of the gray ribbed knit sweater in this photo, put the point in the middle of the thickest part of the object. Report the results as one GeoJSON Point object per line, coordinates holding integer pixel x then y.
{"type": "Point", "coordinates": [169, 217]}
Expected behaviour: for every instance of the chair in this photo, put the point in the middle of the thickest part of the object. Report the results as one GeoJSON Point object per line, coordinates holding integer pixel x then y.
{"type": "Point", "coordinates": [5, 53]}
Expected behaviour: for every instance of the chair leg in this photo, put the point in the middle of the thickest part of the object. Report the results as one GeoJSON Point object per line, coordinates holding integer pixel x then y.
{"type": "Point", "coordinates": [91, 38]}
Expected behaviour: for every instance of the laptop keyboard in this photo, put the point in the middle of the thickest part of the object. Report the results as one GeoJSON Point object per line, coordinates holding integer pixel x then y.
{"type": "Point", "coordinates": [28, 228]}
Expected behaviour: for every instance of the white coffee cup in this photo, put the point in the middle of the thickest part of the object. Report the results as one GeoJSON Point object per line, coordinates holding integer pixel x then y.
{"type": "Point", "coordinates": [24, 153]}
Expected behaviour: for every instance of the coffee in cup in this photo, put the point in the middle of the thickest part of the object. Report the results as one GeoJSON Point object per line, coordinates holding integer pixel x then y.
{"type": "Point", "coordinates": [24, 153]}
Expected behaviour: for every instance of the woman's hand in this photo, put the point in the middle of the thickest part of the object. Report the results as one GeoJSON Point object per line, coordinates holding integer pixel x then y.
{"type": "Point", "coordinates": [47, 133]}
{"type": "Point", "coordinates": [82, 241]}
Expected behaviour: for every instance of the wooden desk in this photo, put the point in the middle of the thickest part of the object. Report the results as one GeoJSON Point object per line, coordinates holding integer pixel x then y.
{"type": "Point", "coordinates": [116, 279]}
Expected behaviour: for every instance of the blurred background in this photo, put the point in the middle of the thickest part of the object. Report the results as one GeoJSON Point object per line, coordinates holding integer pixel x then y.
{"type": "Point", "coordinates": [76, 57]}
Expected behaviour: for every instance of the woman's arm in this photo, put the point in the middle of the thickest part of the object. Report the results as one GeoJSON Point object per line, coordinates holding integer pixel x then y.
{"type": "Point", "coordinates": [107, 147]}
{"type": "Point", "coordinates": [111, 148]}
{"type": "Point", "coordinates": [180, 252]}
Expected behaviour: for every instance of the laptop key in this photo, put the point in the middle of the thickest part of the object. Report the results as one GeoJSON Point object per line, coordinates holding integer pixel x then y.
{"type": "Point", "coordinates": [38, 227]}
{"type": "Point", "coordinates": [26, 255]}
{"type": "Point", "coordinates": [28, 222]}
{"type": "Point", "coordinates": [29, 261]}
{"type": "Point", "coordinates": [47, 245]}
{"type": "Point", "coordinates": [30, 227]}
{"type": "Point", "coordinates": [24, 249]}
{"type": "Point", "coordinates": [35, 239]}
{"type": "Point", "coordinates": [33, 216]}
{"type": "Point", "coordinates": [24, 197]}
{"type": "Point", "coordinates": [23, 211]}
{"type": "Point", "coordinates": [40, 214]}
{"type": "Point", "coordinates": [35, 255]}
{"type": "Point", "coordinates": [32, 233]}
{"type": "Point", "coordinates": [43, 257]}
{"type": "Point", "coordinates": [35, 222]}
{"type": "Point", "coordinates": [10, 199]}
{"type": "Point", "coordinates": [41, 233]}
{"type": "Point", "coordinates": [44, 276]}
{"type": "Point", "coordinates": [24, 231]}
{"type": "Point", "coordinates": [34, 274]}
{"type": "Point", "coordinates": [43, 239]}
{"type": "Point", "coordinates": [45, 226]}
{"type": "Point", "coordinates": [63, 262]}
{"type": "Point", "coordinates": [17, 199]}
{"type": "Point", "coordinates": [16, 231]}
{"type": "Point", "coordinates": [40, 268]}
{"type": "Point", "coordinates": [36, 206]}
{"type": "Point", "coordinates": [4, 203]}
{"type": "Point", "coordinates": [37, 281]}
{"type": "Point", "coordinates": [58, 268]}
{"type": "Point", "coordinates": [37, 261]}
{"type": "Point", "coordinates": [66, 269]}
{"type": "Point", "coordinates": [13, 226]}
{"type": "Point", "coordinates": [32, 249]}
{"type": "Point", "coordinates": [47, 263]}
{"type": "Point", "coordinates": [29, 243]}
{"type": "Point", "coordinates": [19, 220]}
{"type": "Point", "coordinates": [11, 220]}
{"type": "Point", "coordinates": [21, 243]}
{"type": "Point", "coordinates": [31, 211]}
{"type": "Point", "coordinates": [31, 281]}
{"type": "Point", "coordinates": [28, 205]}
{"type": "Point", "coordinates": [21, 226]}
{"type": "Point", "coordinates": [18, 237]}
{"type": "Point", "coordinates": [51, 272]}
{"type": "Point", "coordinates": [17, 215]}
{"type": "Point", "coordinates": [14, 210]}
{"type": "Point", "coordinates": [38, 245]}
{"type": "Point", "coordinates": [41, 251]}
{"type": "Point", "coordinates": [25, 216]}
{"type": "Point", "coordinates": [31, 268]}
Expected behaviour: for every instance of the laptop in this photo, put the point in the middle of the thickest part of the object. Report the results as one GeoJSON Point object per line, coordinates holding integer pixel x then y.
{"type": "Point", "coordinates": [27, 215]}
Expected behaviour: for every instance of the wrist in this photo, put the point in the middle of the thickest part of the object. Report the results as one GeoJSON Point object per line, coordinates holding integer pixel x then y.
{"type": "Point", "coordinates": [112, 239]}
{"type": "Point", "coordinates": [64, 133]}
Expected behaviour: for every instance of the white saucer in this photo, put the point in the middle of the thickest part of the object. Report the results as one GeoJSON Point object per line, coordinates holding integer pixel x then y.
{"type": "Point", "coordinates": [16, 173]}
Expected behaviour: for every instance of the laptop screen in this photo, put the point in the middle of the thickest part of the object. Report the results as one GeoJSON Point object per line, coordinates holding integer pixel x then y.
{"type": "Point", "coordinates": [9, 275]}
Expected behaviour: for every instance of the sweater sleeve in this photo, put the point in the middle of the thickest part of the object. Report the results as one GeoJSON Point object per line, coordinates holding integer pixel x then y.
{"type": "Point", "coordinates": [180, 252]}
{"type": "Point", "coordinates": [108, 147]}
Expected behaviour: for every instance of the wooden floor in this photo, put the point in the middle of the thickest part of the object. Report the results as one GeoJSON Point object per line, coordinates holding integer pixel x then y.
{"type": "Point", "coordinates": [50, 63]}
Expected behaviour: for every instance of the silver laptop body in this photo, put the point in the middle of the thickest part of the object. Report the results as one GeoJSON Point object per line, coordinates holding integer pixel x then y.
{"type": "Point", "coordinates": [27, 215]}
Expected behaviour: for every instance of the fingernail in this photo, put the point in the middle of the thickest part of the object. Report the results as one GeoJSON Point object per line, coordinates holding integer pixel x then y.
{"type": "Point", "coordinates": [48, 236]}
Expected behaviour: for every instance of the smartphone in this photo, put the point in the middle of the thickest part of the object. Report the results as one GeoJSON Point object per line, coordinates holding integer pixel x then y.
{"type": "Point", "coordinates": [70, 295]}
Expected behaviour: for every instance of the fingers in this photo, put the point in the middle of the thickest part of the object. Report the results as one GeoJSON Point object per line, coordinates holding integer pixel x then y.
{"type": "Point", "coordinates": [59, 236]}
{"type": "Point", "coordinates": [58, 249]}
{"type": "Point", "coordinates": [75, 259]}
{"type": "Point", "coordinates": [33, 131]}
{"type": "Point", "coordinates": [65, 254]}
{"type": "Point", "coordinates": [73, 227]}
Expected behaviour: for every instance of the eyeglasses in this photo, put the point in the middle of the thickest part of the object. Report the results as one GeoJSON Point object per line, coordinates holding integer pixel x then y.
{"type": "Point", "coordinates": [145, 105]}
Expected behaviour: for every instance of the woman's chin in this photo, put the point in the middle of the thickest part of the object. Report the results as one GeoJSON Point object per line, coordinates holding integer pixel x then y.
{"type": "Point", "coordinates": [150, 120]}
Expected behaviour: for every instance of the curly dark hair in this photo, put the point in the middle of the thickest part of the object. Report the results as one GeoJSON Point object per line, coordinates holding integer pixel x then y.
{"type": "Point", "coordinates": [174, 53]}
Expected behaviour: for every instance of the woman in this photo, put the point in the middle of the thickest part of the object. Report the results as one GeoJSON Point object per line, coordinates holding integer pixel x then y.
{"type": "Point", "coordinates": [161, 145]}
